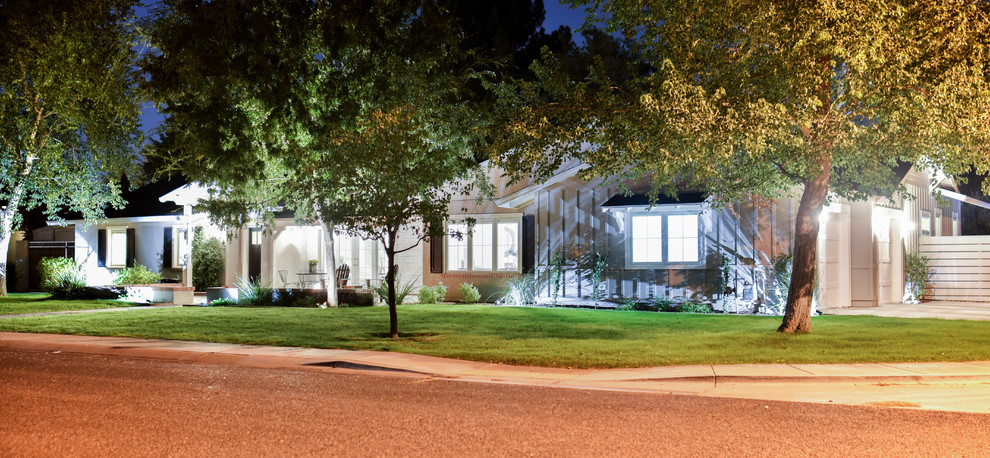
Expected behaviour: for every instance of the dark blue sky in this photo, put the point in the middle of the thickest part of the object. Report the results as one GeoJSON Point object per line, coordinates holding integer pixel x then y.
{"type": "Point", "coordinates": [557, 15]}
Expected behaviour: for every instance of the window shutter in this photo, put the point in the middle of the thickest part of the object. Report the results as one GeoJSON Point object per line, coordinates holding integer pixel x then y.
{"type": "Point", "coordinates": [130, 247]}
{"type": "Point", "coordinates": [528, 262]}
{"type": "Point", "coordinates": [436, 254]}
{"type": "Point", "coordinates": [101, 248]}
{"type": "Point", "coordinates": [167, 249]}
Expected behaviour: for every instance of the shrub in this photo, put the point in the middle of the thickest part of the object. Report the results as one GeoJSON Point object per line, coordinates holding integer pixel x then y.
{"type": "Point", "coordinates": [137, 275]}
{"type": "Point", "coordinates": [645, 306]}
{"type": "Point", "coordinates": [626, 304]}
{"type": "Point", "coordinates": [401, 290]}
{"type": "Point", "coordinates": [61, 277]}
{"type": "Point", "coordinates": [695, 307]}
{"type": "Point", "coordinates": [353, 298]}
{"type": "Point", "coordinates": [222, 301]}
{"type": "Point", "coordinates": [432, 294]}
{"type": "Point", "coordinates": [521, 290]}
{"type": "Point", "coordinates": [469, 294]}
{"type": "Point", "coordinates": [208, 260]}
{"type": "Point", "coordinates": [917, 275]}
{"type": "Point", "coordinates": [663, 304]}
{"type": "Point", "coordinates": [254, 292]}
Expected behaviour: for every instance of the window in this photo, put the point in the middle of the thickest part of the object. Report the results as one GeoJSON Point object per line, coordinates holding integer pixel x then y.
{"type": "Point", "coordinates": [116, 247]}
{"type": "Point", "coordinates": [647, 238]}
{"type": "Point", "coordinates": [492, 246]}
{"type": "Point", "coordinates": [179, 246]}
{"type": "Point", "coordinates": [658, 239]}
{"type": "Point", "coordinates": [457, 250]}
{"type": "Point", "coordinates": [926, 223]}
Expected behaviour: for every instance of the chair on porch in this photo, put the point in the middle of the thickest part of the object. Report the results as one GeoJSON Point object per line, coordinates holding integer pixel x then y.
{"type": "Point", "coordinates": [284, 275]}
{"type": "Point", "coordinates": [343, 273]}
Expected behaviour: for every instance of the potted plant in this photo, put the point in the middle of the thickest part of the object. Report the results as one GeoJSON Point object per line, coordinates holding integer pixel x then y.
{"type": "Point", "coordinates": [312, 265]}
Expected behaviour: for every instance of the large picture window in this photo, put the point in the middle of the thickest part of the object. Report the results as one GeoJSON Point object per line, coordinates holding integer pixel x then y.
{"type": "Point", "coordinates": [658, 239]}
{"type": "Point", "coordinates": [492, 245]}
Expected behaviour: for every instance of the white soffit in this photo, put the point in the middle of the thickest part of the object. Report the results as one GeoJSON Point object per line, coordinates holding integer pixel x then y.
{"type": "Point", "coordinates": [189, 194]}
{"type": "Point", "coordinates": [964, 198]}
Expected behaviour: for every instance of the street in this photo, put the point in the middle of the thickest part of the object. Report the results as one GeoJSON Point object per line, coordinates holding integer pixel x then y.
{"type": "Point", "coordinates": [56, 404]}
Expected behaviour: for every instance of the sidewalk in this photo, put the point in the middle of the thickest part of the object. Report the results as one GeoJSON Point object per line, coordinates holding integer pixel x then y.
{"type": "Point", "coordinates": [962, 387]}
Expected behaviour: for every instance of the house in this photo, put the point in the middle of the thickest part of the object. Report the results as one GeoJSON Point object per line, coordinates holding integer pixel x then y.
{"type": "Point", "coordinates": [155, 230]}
{"type": "Point", "coordinates": [681, 248]}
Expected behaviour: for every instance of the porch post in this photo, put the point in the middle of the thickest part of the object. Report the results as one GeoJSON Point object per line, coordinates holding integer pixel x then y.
{"type": "Point", "coordinates": [187, 249]}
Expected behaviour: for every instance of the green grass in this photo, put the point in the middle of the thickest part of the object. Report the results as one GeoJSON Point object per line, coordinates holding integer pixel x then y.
{"type": "Point", "coordinates": [547, 337]}
{"type": "Point", "coordinates": [17, 303]}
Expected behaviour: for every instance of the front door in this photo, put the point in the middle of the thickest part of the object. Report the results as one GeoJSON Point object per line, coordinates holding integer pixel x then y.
{"type": "Point", "coordinates": [254, 254]}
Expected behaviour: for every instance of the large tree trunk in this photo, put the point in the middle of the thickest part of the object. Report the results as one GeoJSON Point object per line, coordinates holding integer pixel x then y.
{"type": "Point", "coordinates": [331, 276]}
{"type": "Point", "coordinates": [4, 245]}
{"type": "Point", "coordinates": [6, 225]}
{"type": "Point", "coordinates": [393, 316]}
{"type": "Point", "coordinates": [797, 314]}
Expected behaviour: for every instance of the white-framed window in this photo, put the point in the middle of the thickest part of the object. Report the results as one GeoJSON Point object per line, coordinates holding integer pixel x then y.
{"type": "Point", "coordinates": [956, 226]}
{"type": "Point", "coordinates": [926, 222]}
{"type": "Point", "coordinates": [117, 247]}
{"type": "Point", "coordinates": [662, 239]}
{"type": "Point", "coordinates": [491, 245]}
{"type": "Point", "coordinates": [178, 246]}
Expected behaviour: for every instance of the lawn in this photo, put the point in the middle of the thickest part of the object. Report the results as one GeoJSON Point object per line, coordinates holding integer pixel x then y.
{"type": "Point", "coordinates": [547, 337]}
{"type": "Point", "coordinates": [17, 303]}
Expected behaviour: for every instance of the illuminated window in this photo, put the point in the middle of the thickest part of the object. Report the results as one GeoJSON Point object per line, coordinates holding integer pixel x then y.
{"type": "Point", "coordinates": [647, 238]}
{"type": "Point", "coordinates": [457, 249]}
{"type": "Point", "coordinates": [116, 247]}
{"type": "Point", "coordinates": [656, 239]}
{"type": "Point", "coordinates": [491, 246]}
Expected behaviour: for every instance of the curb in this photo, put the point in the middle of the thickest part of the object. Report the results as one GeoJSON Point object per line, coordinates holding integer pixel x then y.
{"type": "Point", "coordinates": [295, 358]}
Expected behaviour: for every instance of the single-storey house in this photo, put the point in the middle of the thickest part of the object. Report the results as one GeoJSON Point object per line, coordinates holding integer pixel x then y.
{"type": "Point", "coordinates": [681, 248]}
{"type": "Point", "coordinates": [156, 226]}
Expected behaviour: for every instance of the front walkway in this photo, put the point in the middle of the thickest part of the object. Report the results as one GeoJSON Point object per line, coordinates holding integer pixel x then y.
{"type": "Point", "coordinates": [943, 309]}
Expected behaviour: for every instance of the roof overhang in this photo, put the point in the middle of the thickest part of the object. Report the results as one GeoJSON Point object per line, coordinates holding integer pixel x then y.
{"type": "Point", "coordinates": [526, 195]}
{"type": "Point", "coordinates": [684, 201]}
{"type": "Point", "coordinates": [189, 194]}
{"type": "Point", "coordinates": [964, 198]}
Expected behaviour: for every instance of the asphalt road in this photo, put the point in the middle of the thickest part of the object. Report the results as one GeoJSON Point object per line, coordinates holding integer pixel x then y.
{"type": "Point", "coordinates": [54, 404]}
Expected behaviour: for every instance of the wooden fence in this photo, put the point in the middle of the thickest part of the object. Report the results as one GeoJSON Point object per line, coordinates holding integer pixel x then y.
{"type": "Point", "coordinates": [960, 267]}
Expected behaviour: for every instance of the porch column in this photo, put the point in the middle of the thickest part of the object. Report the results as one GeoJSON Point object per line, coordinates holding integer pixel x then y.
{"type": "Point", "coordinates": [187, 262]}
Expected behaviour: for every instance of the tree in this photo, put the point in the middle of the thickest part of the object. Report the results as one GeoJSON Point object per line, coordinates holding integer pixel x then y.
{"type": "Point", "coordinates": [68, 108]}
{"type": "Point", "coordinates": [208, 260]}
{"type": "Point", "coordinates": [356, 114]}
{"type": "Point", "coordinates": [764, 98]}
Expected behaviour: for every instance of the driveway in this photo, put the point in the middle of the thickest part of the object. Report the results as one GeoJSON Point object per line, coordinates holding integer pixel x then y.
{"type": "Point", "coordinates": [942, 309]}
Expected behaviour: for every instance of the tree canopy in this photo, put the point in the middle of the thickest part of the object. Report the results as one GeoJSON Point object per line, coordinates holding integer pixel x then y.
{"type": "Point", "coordinates": [355, 114]}
{"type": "Point", "coordinates": [68, 107]}
{"type": "Point", "coordinates": [764, 98]}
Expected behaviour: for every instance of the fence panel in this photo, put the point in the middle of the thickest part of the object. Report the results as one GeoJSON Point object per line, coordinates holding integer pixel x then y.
{"type": "Point", "coordinates": [960, 267]}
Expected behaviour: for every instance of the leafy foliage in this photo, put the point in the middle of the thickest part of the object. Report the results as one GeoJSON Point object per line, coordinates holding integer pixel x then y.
{"type": "Point", "coordinates": [68, 108]}
{"type": "Point", "coordinates": [521, 290]}
{"type": "Point", "coordinates": [766, 99]}
{"type": "Point", "coordinates": [469, 294]}
{"type": "Point", "coordinates": [61, 277]}
{"type": "Point", "coordinates": [208, 260]}
{"type": "Point", "coordinates": [254, 292]}
{"type": "Point", "coordinates": [358, 117]}
{"type": "Point", "coordinates": [432, 294]}
{"type": "Point", "coordinates": [137, 275]}
{"type": "Point", "coordinates": [917, 275]}
{"type": "Point", "coordinates": [695, 307]}
{"type": "Point", "coordinates": [401, 291]}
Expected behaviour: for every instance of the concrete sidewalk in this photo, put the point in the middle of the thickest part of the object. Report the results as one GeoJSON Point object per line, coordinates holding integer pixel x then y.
{"type": "Point", "coordinates": [963, 387]}
{"type": "Point", "coordinates": [945, 310]}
